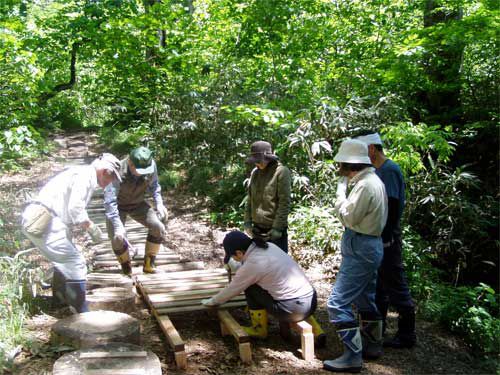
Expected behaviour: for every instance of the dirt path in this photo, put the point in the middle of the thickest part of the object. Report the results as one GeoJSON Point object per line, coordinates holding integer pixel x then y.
{"type": "Point", "coordinates": [208, 353]}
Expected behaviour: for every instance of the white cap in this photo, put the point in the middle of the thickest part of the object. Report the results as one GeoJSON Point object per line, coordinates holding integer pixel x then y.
{"type": "Point", "coordinates": [353, 151]}
{"type": "Point", "coordinates": [370, 139]}
{"type": "Point", "coordinates": [111, 163]}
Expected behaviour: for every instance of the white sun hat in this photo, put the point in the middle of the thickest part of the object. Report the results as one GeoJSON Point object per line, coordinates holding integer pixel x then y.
{"type": "Point", "coordinates": [353, 151]}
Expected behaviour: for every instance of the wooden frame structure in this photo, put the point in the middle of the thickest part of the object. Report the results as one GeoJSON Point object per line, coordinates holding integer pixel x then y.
{"type": "Point", "coordinates": [178, 292]}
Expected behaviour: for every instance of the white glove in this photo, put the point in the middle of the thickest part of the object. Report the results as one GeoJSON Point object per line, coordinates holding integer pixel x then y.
{"type": "Point", "coordinates": [162, 213]}
{"type": "Point", "coordinates": [95, 233]}
{"type": "Point", "coordinates": [342, 188]}
{"type": "Point", "coordinates": [233, 265]}
{"type": "Point", "coordinates": [208, 302]}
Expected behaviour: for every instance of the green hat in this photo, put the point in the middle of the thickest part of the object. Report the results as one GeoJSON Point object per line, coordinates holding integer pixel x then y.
{"type": "Point", "coordinates": [142, 159]}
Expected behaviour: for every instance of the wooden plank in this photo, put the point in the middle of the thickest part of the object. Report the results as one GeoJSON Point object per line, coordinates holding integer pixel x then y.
{"type": "Point", "coordinates": [232, 326]}
{"type": "Point", "coordinates": [181, 275]}
{"type": "Point", "coordinates": [173, 310]}
{"type": "Point", "coordinates": [306, 339]}
{"type": "Point", "coordinates": [172, 288]}
{"type": "Point", "coordinates": [132, 371]}
{"type": "Point", "coordinates": [179, 296]}
{"type": "Point", "coordinates": [113, 354]}
{"type": "Point", "coordinates": [108, 263]}
{"type": "Point", "coordinates": [190, 281]}
{"type": "Point", "coordinates": [173, 337]}
{"type": "Point", "coordinates": [245, 352]}
{"type": "Point", "coordinates": [188, 302]}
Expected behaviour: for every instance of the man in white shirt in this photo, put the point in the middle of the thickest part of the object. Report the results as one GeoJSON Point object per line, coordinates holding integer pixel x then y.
{"type": "Point", "coordinates": [60, 205]}
{"type": "Point", "coordinates": [361, 206]}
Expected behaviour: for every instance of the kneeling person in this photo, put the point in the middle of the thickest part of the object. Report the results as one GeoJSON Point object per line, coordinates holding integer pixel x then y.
{"type": "Point", "coordinates": [273, 283]}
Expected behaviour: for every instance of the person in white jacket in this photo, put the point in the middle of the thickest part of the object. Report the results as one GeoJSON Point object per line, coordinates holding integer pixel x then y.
{"type": "Point", "coordinates": [60, 205]}
{"type": "Point", "coordinates": [361, 206]}
{"type": "Point", "coordinates": [272, 282]}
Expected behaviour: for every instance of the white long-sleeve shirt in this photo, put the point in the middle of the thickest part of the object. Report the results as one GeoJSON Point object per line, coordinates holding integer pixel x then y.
{"type": "Point", "coordinates": [273, 270]}
{"type": "Point", "coordinates": [365, 209]}
{"type": "Point", "coordinates": [68, 193]}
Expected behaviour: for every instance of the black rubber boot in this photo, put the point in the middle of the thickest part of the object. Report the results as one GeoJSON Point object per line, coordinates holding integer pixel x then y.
{"type": "Point", "coordinates": [76, 295]}
{"type": "Point", "coordinates": [58, 289]}
{"type": "Point", "coordinates": [406, 336]}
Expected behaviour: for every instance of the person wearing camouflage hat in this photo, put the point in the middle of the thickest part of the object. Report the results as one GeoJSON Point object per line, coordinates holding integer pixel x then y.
{"type": "Point", "coordinates": [127, 198]}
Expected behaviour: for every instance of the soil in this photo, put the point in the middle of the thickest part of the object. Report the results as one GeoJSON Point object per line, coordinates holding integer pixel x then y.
{"type": "Point", "coordinates": [191, 236]}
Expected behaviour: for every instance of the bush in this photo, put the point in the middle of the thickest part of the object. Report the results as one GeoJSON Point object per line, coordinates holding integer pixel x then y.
{"type": "Point", "coordinates": [17, 292]}
{"type": "Point", "coordinates": [318, 230]}
{"type": "Point", "coordinates": [469, 311]}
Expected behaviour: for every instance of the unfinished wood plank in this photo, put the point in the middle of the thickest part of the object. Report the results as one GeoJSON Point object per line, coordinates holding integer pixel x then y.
{"type": "Point", "coordinates": [152, 289]}
{"type": "Point", "coordinates": [306, 339]}
{"type": "Point", "coordinates": [301, 327]}
{"type": "Point", "coordinates": [179, 296]}
{"type": "Point", "coordinates": [173, 337]}
{"type": "Point", "coordinates": [187, 281]}
{"type": "Point", "coordinates": [113, 354]}
{"type": "Point", "coordinates": [173, 310]}
{"type": "Point", "coordinates": [180, 275]}
{"type": "Point", "coordinates": [181, 359]}
{"type": "Point", "coordinates": [232, 326]}
{"type": "Point", "coordinates": [132, 371]}
{"type": "Point", "coordinates": [245, 352]}
{"type": "Point", "coordinates": [188, 302]}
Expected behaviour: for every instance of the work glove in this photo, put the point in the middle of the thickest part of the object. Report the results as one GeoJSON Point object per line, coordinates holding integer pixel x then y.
{"type": "Point", "coordinates": [275, 234]}
{"type": "Point", "coordinates": [232, 265]}
{"type": "Point", "coordinates": [247, 227]}
{"type": "Point", "coordinates": [132, 251]}
{"type": "Point", "coordinates": [342, 188]}
{"type": "Point", "coordinates": [162, 213]}
{"type": "Point", "coordinates": [208, 302]}
{"type": "Point", "coordinates": [95, 233]}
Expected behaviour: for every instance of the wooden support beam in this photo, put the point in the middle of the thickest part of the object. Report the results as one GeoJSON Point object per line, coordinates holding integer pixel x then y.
{"type": "Point", "coordinates": [173, 337]}
{"type": "Point", "coordinates": [306, 339]}
{"type": "Point", "coordinates": [230, 326]}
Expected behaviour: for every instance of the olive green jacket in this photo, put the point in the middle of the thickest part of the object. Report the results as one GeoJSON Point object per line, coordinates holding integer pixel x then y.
{"type": "Point", "coordinates": [268, 202]}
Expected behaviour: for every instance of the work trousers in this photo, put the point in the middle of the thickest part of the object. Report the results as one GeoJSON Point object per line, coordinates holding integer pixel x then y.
{"type": "Point", "coordinates": [290, 310]}
{"type": "Point", "coordinates": [281, 242]}
{"type": "Point", "coordinates": [356, 280]}
{"type": "Point", "coordinates": [56, 246]}
{"type": "Point", "coordinates": [392, 286]}
{"type": "Point", "coordinates": [143, 214]}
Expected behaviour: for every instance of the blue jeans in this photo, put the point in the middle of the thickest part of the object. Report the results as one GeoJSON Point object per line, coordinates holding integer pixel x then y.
{"type": "Point", "coordinates": [356, 280]}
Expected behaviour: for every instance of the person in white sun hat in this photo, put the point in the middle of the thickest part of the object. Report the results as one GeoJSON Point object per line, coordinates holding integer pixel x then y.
{"type": "Point", "coordinates": [361, 206]}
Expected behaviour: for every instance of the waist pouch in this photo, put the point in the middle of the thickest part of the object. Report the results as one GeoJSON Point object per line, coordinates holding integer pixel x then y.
{"type": "Point", "coordinates": [37, 220]}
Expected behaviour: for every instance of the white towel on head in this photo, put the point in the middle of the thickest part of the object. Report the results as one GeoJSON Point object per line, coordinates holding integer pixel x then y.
{"type": "Point", "coordinates": [370, 139]}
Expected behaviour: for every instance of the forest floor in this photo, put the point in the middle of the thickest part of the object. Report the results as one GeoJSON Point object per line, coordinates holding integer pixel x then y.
{"type": "Point", "coordinates": [191, 235]}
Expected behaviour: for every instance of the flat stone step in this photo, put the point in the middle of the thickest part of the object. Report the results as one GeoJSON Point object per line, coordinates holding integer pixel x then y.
{"type": "Point", "coordinates": [94, 328]}
{"type": "Point", "coordinates": [110, 359]}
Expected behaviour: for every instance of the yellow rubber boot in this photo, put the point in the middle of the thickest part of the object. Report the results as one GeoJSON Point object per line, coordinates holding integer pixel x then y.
{"type": "Point", "coordinates": [259, 324]}
{"type": "Point", "coordinates": [319, 334]}
{"type": "Point", "coordinates": [151, 251]}
{"type": "Point", "coordinates": [124, 260]}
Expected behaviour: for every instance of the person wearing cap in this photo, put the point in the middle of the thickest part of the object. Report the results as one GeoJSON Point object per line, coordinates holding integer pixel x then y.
{"type": "Point", "coordinates": [268, 201]}
{"type": "Point", "coordinates": [272, 282]}
{"type": "Point", "coordinates": [127, 198]}
{"type": "Point", "coordinates": [361, 206]}
{"type": "Point", "coordinates": [48, 219]}
{"type": "Point", "coordinates": [392, 287]}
